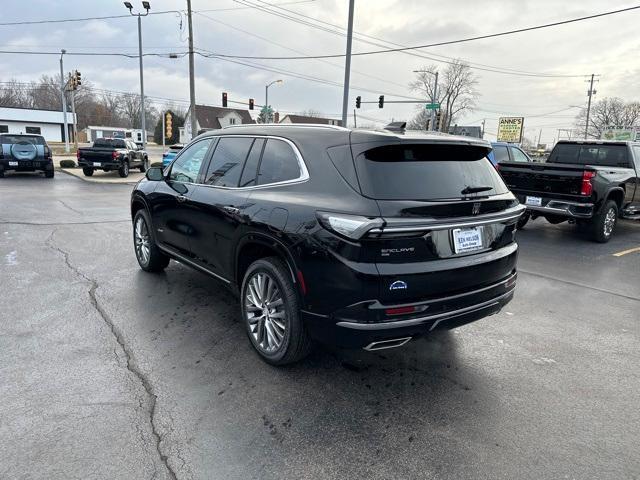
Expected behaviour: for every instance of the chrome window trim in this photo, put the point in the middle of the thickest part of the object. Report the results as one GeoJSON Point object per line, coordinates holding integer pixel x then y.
{"type": "Point", "coordinates": [304, 172]}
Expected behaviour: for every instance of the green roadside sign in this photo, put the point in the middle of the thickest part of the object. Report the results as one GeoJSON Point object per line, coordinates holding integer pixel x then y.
{"type": "Point", "coordinates": [432, 106]}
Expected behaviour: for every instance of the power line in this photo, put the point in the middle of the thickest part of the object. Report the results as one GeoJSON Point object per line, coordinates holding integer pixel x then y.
{"type": "Point", "coordinates": [450, 60]}
{"type": "Point", "coordinates": [437, 44]}
{"type": "Point", "coordinates": [82, 19]}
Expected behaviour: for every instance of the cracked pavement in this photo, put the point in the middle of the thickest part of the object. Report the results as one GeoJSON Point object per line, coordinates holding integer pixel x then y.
{"type": "Point", "coordinates": [109, 372]}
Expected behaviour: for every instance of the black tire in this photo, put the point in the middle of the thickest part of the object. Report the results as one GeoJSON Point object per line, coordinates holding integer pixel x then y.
{"type": "Point", "coordinates": [604, 223]}
{"type": "Point", "coordinates": [523, 220]}
{"type": "Point", "coordinates": [295, 341]}
{"type": "Point", "coordinates": [145, 165]}
{"type": "Point", "coordinates": [156, 260]}
{"type": "Point", "coordinates": [88, 172]}
{"type": "Point", "coordinates": [48, 173]}
{"type": "Point", "coordinates": [123, 171]}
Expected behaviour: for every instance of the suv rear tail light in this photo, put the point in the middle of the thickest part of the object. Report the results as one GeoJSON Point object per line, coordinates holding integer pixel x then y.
{"type": "Point", "coordinates": [47, 151]}
{"type": "Point", "coordinates": [587, 186]}
{"type": "Point", "coordinates": [78, 154]}
{"type": "Point", "coordinates": [351, 226]}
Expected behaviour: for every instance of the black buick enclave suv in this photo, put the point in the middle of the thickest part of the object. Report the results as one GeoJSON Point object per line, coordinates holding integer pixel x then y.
{"type": "Point", "coordinates": [355, 238]}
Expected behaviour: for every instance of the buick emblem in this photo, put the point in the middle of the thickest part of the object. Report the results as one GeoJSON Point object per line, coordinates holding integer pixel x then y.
{"type": "Point", "coordinates": [476, 208]}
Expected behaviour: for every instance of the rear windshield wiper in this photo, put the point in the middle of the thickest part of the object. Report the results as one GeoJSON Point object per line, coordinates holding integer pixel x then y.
{"type": "Point", "coordinates": [468, 189]}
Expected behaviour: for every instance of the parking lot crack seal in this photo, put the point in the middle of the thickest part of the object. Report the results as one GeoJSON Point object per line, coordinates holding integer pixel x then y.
{"type": "Point", "coordinates": [119, 337]}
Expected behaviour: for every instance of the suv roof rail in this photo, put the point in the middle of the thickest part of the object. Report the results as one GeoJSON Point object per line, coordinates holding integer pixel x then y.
{"type": "Point", "coordinates": [304, 125]}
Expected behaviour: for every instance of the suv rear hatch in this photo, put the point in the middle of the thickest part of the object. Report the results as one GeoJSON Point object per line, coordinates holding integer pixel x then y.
{"type": "Point", "coordinates": [448, 218]}
{"type": "Point", "coordinates": [24, 149]}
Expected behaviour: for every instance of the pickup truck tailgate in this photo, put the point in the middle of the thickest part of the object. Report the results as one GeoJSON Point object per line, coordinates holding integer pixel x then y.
{"type": "Point", "coordinates": [97, 154]}
{"type": "Point", "coordinates": [543, 178]}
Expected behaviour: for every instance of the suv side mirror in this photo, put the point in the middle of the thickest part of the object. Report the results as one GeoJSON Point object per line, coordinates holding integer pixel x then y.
{"type": "Point", "coordinates": [155, 174]}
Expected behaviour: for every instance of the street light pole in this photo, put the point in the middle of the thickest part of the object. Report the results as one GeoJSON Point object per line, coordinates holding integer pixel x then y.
{"type": "Point", "coordinates": [347, 66]}
{"type": "Point", "coordinates": [64, 103]}
{"type": "Point", "coordinates": [590, 93]}
{"type": "Point", "coordinates": [266, 96]}
{"type": "Point", "coordinates": [147, 7]}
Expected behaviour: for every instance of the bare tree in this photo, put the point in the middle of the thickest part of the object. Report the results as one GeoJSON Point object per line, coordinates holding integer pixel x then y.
{"type": "Point", "coordinates": [456, 91]}
{"type": "Point", "coordinates": [311, 113]}
{"type": "Point", "coordinates": [12, 94]}
{"type": "Point", "coordinates": [609, 113]}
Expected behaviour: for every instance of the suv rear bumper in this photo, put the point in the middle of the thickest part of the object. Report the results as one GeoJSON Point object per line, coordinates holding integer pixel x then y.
{"type": "Point", "coordinates": [442, 313]}
{"type": "Point", "coordinates": [44, 165]}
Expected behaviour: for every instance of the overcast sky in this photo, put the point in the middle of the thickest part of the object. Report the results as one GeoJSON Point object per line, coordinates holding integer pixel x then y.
{"type": "Point", "coordinates": [606, 46]}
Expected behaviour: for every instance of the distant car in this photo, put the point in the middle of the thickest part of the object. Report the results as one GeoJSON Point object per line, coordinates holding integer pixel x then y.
{"type": "Point", "coordinates": [25, 153]}
{"type": "Point", "coordinates": [112, 154]}
{"type": "Point", "coordinates": [507, 152]}
{"type": "Point", "coordinates": [170, 154]}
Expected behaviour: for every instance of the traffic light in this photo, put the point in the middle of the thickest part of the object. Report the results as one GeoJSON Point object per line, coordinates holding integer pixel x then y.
{"type": "Point", "coordinates": [78, 76]}
{"type": "Point", "coordinates": [224, 99]}
{"type": "Point", "coordinates": [168, 125]}
{"type": "Point", "coordinates": [381, 101]}
{"type": "Point", "coordinates": [251, 101]}
{"type": "Point", "coordinates": [358, 101]}
{"type": "Point", "coordinates": [438, 120]}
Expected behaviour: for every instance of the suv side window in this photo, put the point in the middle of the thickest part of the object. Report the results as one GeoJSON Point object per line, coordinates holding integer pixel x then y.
{"type": "Point", "coordinates": [227, 162]}
{"type": "Point", "coordinates": [518, 155]}
{"type": "Point", "coordinates": [500, 153]}
{"type": "Point", "coordinates": [279, 163]}
{"type": "Point", "coordinates": [186, 167]}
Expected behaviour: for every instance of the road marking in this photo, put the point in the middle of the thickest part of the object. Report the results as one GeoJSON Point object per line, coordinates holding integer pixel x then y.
{"type": "Point", "coordinates": [624, 252]}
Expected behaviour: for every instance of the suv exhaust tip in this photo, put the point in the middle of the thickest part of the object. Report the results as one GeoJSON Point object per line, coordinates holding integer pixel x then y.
{"type": "Point", "coordinates": [384, 344]}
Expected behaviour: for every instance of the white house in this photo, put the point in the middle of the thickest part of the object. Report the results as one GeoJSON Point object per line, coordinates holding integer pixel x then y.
{"type": "Point", "coordinates": [135, 134]}
{"type": "Point", "coordinates": [213, 118]}
{"type": "Point", "coordinates": [48, 123]}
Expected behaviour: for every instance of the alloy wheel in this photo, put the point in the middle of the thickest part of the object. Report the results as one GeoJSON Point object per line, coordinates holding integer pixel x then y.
{"type": "Point", "coordinates": [609, 221]}
{"type": "Point", "coordinates": [141, 238]}
{"type": "Point", "coordinates": [265, 312]}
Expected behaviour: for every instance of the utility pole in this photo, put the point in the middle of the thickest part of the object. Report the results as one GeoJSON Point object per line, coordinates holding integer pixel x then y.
{"type": "Point", "coordinates": [192, 80]}
{"type": "Point", "coordinates": [347, 65]}
{"type": "Point", "coordinates": [143, 111]}
{"type": "Point", "coordinates": [539, 138]}
{"type": "Point", "coordinates": [483, 120]}
{"type": "Point", "coordinates": [64, 103]}
{"type": "Point", "coordinates": [355, 121]}
{"type": "Point", "coordinates": [163, 130]}
{"type": "Point", "coordinates": [435, 99]}
{"type": "Point", "coordinates": [590, 93]}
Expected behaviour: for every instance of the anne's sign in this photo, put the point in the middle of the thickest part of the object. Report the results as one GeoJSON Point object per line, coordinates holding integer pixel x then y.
{"type": "Point", "coordinates": [510, 129]}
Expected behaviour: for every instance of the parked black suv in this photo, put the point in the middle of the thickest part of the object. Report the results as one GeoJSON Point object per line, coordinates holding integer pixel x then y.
{"type": "Point", "coordinates": [357, 238]}
{"type": "Point", "coordinates": [25, 153]}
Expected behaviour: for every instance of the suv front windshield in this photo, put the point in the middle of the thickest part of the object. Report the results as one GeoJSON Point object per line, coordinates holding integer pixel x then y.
{"type": "Point", "coordinates": [427, 172]}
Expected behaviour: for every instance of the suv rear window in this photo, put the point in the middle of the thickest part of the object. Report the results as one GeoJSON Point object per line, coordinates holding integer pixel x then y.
{"type": "Point", "coordinates": [590, 154]}
{"type": "Point", "coordinates": [33, 139]}
{"type": "Point", "coordinates": [109, 142]}
{"type": "Point", "coordinates": [426, 172]}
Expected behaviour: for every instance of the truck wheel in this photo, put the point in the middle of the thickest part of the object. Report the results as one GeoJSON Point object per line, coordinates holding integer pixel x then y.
{"type": "Point", "coordinates": [88, 172]}
{"type": "Point", "coordinates": [604, 223]}
{"type": "Point", "coordinates": [149, 256]}
{"type": "Point", "coordinates": [123, 171]}
{"type": "Point", "coordinates": [522, 221]}
{"type": "Point", "coordinates": [270, 312]}
{"type": "Point", "coordinates": [145, 165]}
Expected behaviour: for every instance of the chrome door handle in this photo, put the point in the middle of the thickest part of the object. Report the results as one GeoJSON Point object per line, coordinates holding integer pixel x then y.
{"type": "Point", "coordinates": [181, 198]}
{"type": "Point", "coordinates": [230, 209]}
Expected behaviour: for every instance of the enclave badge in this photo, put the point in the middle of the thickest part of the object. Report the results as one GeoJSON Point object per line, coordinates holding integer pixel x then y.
{"type": "Point", "coordinates": [398, 285]}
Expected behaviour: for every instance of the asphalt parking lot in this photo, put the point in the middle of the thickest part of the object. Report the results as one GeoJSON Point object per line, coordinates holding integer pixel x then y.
{"type": "Point", "coordinates": [109, 372]}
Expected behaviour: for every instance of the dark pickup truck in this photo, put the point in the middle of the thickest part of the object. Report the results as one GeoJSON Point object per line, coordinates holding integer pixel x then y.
{"type": "Point", "coordinates": [590, 182]}
{"type": "Point", "coordinates": [109, 154]}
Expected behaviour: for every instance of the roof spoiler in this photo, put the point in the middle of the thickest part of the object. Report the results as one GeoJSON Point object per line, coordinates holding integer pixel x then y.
{"type": "Point", "coordinates": [396, 127]}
